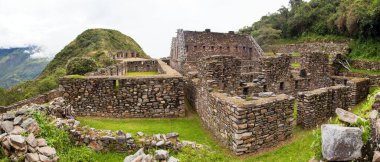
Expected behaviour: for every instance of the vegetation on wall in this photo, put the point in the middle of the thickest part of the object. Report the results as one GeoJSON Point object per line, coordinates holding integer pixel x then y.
{"type": "Point", "coordinates": [324, 20]}
{"type": "Point", "coordinates": [92, 43]}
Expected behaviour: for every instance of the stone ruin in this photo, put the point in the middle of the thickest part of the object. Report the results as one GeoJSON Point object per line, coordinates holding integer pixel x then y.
{"type": "Point", "coordinates": [122, 54]}
{"type": "Point", "coordinates": [109, 92]}
{"type": "Point", "coordinates": [246, 98]}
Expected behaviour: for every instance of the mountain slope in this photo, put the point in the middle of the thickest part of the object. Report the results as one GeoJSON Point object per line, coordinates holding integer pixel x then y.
{"type": "Point", "coordinates": [94, 43]}
{"type": "Point", "coordinates": [17, 65]}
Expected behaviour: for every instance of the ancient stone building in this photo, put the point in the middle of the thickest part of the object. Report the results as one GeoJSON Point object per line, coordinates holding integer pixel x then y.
{"type": "Point", "coordinates": [120, 54]}
{"type": "Point", "coordinates": [109, 92]}
{"type": "Point", "coordinates": [189, 46]}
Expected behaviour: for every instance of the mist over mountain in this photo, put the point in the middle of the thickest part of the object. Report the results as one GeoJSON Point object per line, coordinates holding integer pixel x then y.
{"type": "Point", "coordinates": [19, 64]}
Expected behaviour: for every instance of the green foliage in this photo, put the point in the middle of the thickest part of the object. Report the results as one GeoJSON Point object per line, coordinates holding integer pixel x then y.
{"type": "Point", "coordinates": [296, 54]}
{"type": "Point", "coordinates": [295, 65]}
{"type": "Point", "coordinates": [80, 66]}
{"type": "Point", "coordinates": [351, 18]}
{"type": "Point", "coordinates": [365, 71]}
{"type": "Point", "coordinates": [365, 125]}
{"type": "Point", "coordinates": [94, 43]}
{"type": "Point", "coordinates": [368, 49]}
{"type": "Point", "coordinates": [266, 35]}
{"type": "Point", "coordinates": [316, 146]}
{"type": "Point", "coordinates": [75, 76]}
{"type": "Point", "coordinates": [60, 140]}
{"type": "Point", "coordinates": [189, 154]}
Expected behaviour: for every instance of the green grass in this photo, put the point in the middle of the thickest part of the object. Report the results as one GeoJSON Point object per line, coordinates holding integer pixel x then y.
{"type": "Point", "coordinates": [368, 49]}
{"type": "Point", "coordinates": [146, 73]}
{"type": "Point", "coordinates": [190, 128]}
{"type": "Point", "coordinates": [365, 71]}
{"type": "Point", "coordinates": [296, 54]}
{"type": "Point", "coordinates": [295, 65]}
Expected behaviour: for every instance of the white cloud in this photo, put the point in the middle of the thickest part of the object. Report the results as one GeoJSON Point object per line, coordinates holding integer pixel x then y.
{"type": "Point", "coordinates": [152, 23]}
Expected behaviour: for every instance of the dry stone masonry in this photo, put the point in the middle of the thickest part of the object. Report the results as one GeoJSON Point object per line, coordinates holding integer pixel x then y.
{"type": "Point", "coordinates": [315, 107]}
{"type": "Point", "coordinates": [120, 96]}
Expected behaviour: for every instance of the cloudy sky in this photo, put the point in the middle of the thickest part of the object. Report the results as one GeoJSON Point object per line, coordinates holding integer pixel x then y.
{"type": "Point", "coordinates": [54, 23]}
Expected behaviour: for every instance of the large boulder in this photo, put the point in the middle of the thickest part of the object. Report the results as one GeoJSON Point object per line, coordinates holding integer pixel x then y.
{"type": "Point", "coordinates": [341, 143]}
{"type": "Point", "coordinates": [347, 116]}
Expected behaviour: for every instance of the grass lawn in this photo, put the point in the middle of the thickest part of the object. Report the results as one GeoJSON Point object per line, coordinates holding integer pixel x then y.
{"type": "Point", "coordinates": [296, 54]}
{"type": "Point", "coordinates": [295, 65]}
{"type": "Point", "coordinates": [365, 71]}
{"type": "Point", "coordinates": [147, 73]}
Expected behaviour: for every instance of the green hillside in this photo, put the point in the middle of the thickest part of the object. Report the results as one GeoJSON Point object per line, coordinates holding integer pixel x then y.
{"type": "Point", "coordinates": [17, 65]}
{"type": "Point", "coordinates": [323, 20]}
{"type": "Point", "coordinates": [94, 43]}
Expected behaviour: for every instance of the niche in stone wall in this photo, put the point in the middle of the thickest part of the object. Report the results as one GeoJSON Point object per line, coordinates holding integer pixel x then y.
{"type": "Point", "coordinates": [245, 91]}
{"type": "Point", "coordinates": [282, 86]}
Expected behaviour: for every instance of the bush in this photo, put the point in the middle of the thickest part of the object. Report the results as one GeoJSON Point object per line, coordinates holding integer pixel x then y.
{"type": "Point", "coordinates": [60, 140]}
{"type": "Point", "coordinates": [80, 66]}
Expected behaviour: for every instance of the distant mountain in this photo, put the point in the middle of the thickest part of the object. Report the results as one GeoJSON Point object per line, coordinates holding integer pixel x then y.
{"type": "Point", "coordinates": [93, 43]}
{"type": "Point", "coordinates": [17, 65]}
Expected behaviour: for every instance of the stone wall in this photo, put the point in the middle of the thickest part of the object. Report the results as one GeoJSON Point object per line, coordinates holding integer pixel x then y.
{"type": "Point", "coordinates": [359, 87]}
{"type": "Point", "coordinates": [125, 96]}
{"type": "Point", "coordinates": [320, 47]}
{"type": "Point", "coordinates": [129, 66]}
{"type": "Point", "coordinates": [374, 79]}
{"type": "Point", "coordinates": [190, 46]}
{"type": "Point", "coordinates": [277, 74]}
{"type": "Point", "coordinates": [317, 69]}
{"type": "Point", "coordinates": [362, 64]}
{"type": "Point", "coordinates": [247, 126]}
{"type": "Point", "coordinates": [40, 99]}
{"type": "Point", "coordinates": [244, 126]}
{"type": "Point", "coordinates": [123, 54]}
{"type": "Point", "coordinates": [220, 72]}
{"type": "Point", "coordinates": [315, 107]}
{"type": "Point", "coordinates": [142, 66]}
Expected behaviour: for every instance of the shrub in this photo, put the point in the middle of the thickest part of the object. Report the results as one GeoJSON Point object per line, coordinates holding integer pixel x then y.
{"type": "Point", "coordinates": [316, 146]}
{"type": "Point", "coordinates": [80, 66]}
{"type": "Point", "coordinates": [60, 140]}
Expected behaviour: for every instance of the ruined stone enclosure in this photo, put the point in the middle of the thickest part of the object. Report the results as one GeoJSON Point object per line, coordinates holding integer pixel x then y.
{"type": "Point", "coordinates": [246, 99]}
{"type": "Point", "coordinates": [109, 92]}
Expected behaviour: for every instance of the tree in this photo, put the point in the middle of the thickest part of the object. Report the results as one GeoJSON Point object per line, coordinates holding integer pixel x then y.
{"type": "Point", "coordinates": [80, 66]}
{"type": "Point", "coordinates": [266, 35]}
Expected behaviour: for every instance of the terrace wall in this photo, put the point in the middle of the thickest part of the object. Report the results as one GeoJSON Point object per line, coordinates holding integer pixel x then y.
{"type": "Point", "coordinates": [40, 99]}
{"type": "Point", "coordinates": [362, 64]}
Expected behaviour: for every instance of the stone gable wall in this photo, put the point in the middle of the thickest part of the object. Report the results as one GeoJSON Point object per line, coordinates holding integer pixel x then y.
{"type": "Point", "coordinates": [125, 97]}
{"type": "Point", "coordinates": [315, 107]}
{"type": "Point", "coordinates": [316, 66]}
